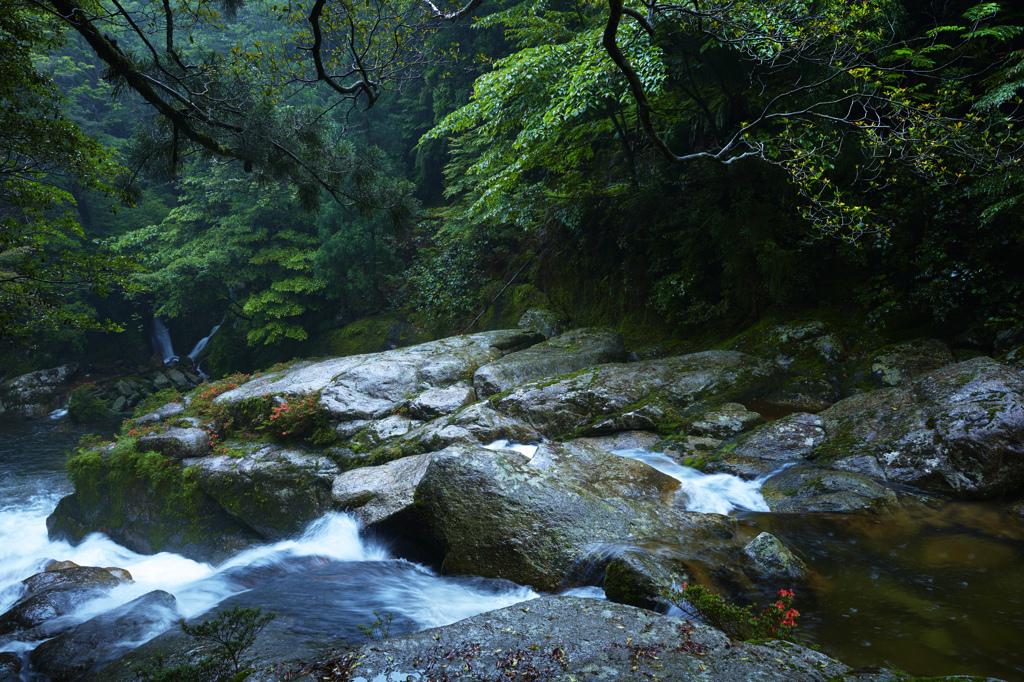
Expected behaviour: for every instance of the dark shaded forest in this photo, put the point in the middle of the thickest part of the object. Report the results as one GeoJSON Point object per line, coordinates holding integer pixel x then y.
{"type": "Point", "coordinates": [324, 178]}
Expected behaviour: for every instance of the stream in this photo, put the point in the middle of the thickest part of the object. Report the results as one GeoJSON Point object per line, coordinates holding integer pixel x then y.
{"type": "Point", "coordinates": [930, 591]}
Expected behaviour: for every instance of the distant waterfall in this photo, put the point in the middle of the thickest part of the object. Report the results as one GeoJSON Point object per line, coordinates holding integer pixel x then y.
{"type": "Point", "coordinates": [202, 343]}
{"type": "Point", "coordinates": [162, 341]}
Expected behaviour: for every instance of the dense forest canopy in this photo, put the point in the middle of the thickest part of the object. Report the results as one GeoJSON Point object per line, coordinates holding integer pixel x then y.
{"type": "Point", "coordinates": [296, 166]}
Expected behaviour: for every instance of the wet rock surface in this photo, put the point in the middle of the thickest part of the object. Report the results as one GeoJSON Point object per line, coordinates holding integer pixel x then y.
{"type": "Point", "coordinates": [958, 430]}
{"type": "Point", "coordinates": [897, 364]}
{"type": "Point", "coordinates": [568, 352]}
{"type": "Point", "coordinates": [101, 639]}
{"type": "Point", "coordinates": [813, 489]}
{"type": "Point", "coordinates": [54, 593]}
{"type": "Point", "coordinates": [578, 638]}
{"type": "Point", "coordinates": [622, 397]}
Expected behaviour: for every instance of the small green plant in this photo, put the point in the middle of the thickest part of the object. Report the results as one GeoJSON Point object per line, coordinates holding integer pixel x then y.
{"type": "Point", "coordinates": [378, 629]}
{"type": "Point", "coordinates": [775, 621]}
{"type": "Point", "coordinates": [232, 632]}
{"type": "Point", "coordinates": [86, 407]}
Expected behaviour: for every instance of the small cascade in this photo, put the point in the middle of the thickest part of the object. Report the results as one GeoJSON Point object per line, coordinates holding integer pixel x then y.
{"type": "Point", "coordinates": [528, 450]}
{"type": "Point", "coordinates": [708, 493]}
{"type": "Point", "coordinates": [201, 344]}
{"type": "Point", "coordinates": [161, 339]}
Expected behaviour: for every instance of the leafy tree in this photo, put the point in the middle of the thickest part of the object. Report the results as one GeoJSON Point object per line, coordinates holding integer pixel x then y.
{"type": "Point", "coordinates": [44, 157]}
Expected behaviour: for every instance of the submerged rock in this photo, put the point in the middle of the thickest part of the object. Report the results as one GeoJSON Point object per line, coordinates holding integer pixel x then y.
{"type": "Point", "coordinates": [54, 593]}
{"type": "Point", "coordinates": [568, 352]}
{"type": "Point", "coordinates": [103, 638]}
{"type": "Point", "coordinates": [774, 559]}
{"type": "Point", "coordinates": [958, 430]}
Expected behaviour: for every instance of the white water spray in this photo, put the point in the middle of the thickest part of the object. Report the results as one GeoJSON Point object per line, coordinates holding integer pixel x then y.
{"type": "Point", "coordinates": [708, 493]}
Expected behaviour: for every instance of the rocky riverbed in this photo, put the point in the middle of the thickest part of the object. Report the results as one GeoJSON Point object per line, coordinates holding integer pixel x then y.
{"type": "Point", "coordinates": [416, 443]}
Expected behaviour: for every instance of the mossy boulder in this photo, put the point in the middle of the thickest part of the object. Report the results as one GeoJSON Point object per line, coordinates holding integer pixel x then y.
{"type": "Point", "coordinates": [958, 430]}
{"type": "Point", "coordinates": [147, 503]}
{"type": "Point", "coordinates": [724, 421]}
{"type": "Point", "coordinates": [543, 322]}
{"type": "Point", "coordinates": [636, 578]}
{"type": "Point", "coordinates": [641, 395]}
{"type": "Point", "coordinates": [177, 443]}
{"type": "Point", "coordinates": [897, 364]}
{"type": "Point", "coordinates": [813, 489]}
{"type": "Point", "coordinates": [33, 394]}
{"type": "Point", "coordinates": [568, 352]}
{"type": "Point", "coordinates": [500, 514]}
{"type": "Point", "coordinates": [811, 351]}
{"type": "Point", "coordinates": [273, 490]}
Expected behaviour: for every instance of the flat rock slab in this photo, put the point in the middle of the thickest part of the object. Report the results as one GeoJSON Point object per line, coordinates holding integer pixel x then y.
{"type": "Point", "coordinates": [370, 386]}
{"type": "Point", "coordinates": [565, 353]}
{"type": "Point", "coordinates": [638, 395]}
{"type": "Point", "coordinates": [573, 638]}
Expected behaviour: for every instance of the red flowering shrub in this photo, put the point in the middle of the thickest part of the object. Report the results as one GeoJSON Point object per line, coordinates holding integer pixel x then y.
{"type": "Point", "coordinates": [775, 621]}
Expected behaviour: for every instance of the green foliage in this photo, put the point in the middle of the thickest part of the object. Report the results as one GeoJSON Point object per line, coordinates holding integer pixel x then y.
{"type": "Point", "coordinates": [86, 407]}
{"type": "Point", "coordinates": [232, 633]}
{"type": "Point", "coordinates": [46, 158]}
{"type": "Point", "coordinates": [379, 629]}
{"type": "Point", "coordinates": [775, 621]}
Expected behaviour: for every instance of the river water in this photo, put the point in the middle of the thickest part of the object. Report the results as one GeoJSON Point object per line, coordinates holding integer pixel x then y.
{"type": "Point", "coordinates": [931, 590]}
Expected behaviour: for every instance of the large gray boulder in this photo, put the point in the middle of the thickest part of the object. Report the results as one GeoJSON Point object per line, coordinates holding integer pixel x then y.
{"type": "Point", "coordinates": [439, 402]}
{"type": "Point", "coordinates": [272, 490]}
{"type": "Point", "coordinates": [785, 440]}
{"type": "Point", "coordinates": [372, 386]}
{"type": "Point", "coordinates": [639, 395]}
{"type": "Point", "coordinates": [104, 637]}
{"type": "Point", "coordinates": [897, 364]}
{"type": "Point", "coordinates": [574, 638]}
{"type": "Point", "coordinates": [378, 494]}
{"type": "Point", "coordinates": [30, 395]}
{"type": "Point", "coordinates": [958, 430]}
{"type": "Point", "coordinates": [501, 514]}
{"type": "Point", "coordinates": [568, 352]}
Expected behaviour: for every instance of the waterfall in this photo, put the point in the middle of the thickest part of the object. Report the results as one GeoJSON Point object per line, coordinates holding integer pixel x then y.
{"type": "Point", "coordinates": [202, 343]}
{"type": "Point", "coordinates": [162, 341]}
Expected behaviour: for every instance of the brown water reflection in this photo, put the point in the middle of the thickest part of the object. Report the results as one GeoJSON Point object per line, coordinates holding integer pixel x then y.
{"type": "Point", "coordinates": [930, 590]}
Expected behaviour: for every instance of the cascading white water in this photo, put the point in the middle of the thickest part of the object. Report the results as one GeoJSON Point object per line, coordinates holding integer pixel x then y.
{"type": "Point", "coordinates": [201, 344]}
{"type": "Point", "coordinates": [328, 578]}
{"type": "Point", "coordinates": [161, 338]}
{"type": "Point", "coordinates": [709, 493]}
